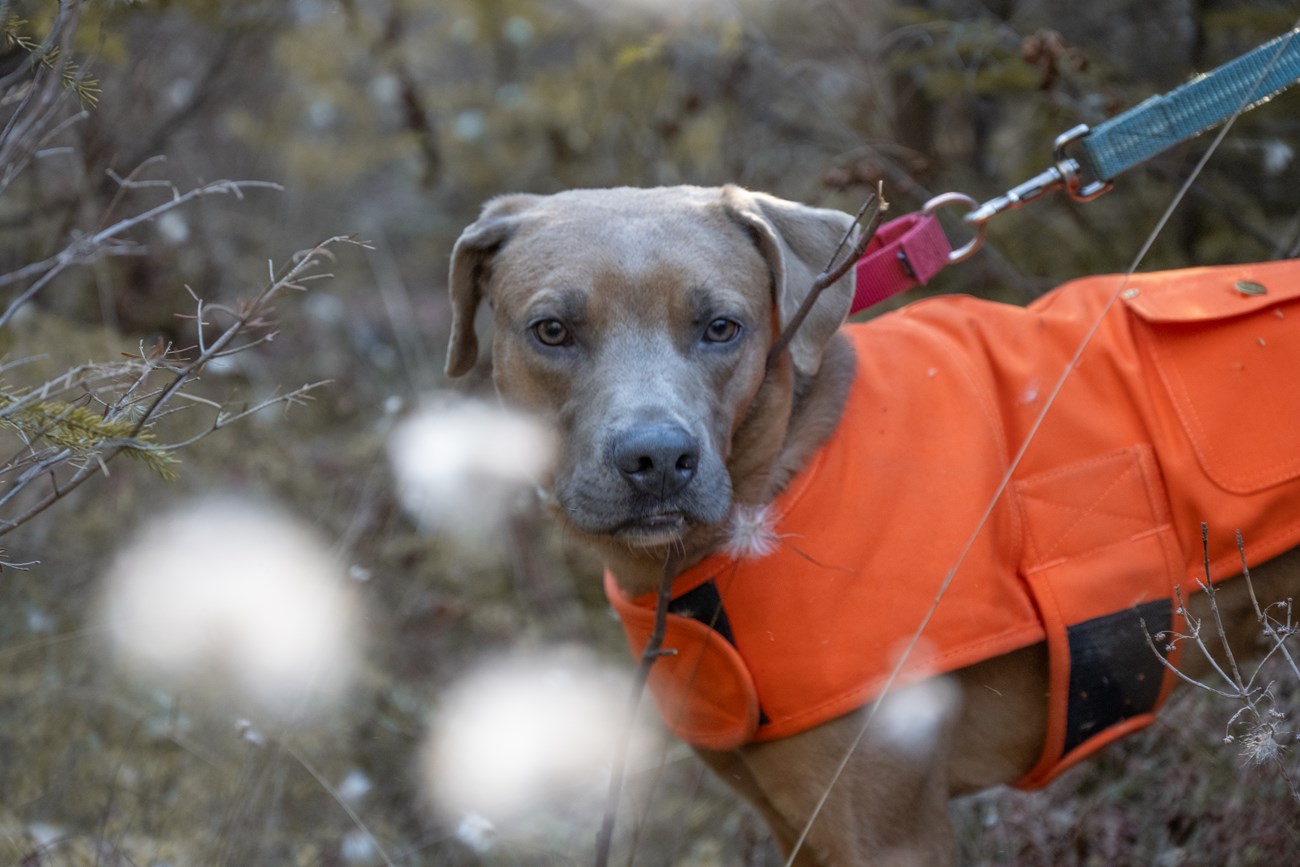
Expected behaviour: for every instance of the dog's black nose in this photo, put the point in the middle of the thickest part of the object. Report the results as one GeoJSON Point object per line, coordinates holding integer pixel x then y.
{"type": "Point", "coordinates": [657, 459]}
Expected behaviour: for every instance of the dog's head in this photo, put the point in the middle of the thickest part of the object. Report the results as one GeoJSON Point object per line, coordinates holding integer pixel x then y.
{"type": "Point", "coordinates": [638, 322]}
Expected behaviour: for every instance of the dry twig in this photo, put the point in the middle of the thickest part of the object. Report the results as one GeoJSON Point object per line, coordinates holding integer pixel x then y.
{"type": "Point", "coordinates": [865, 224]}
{"type": "Point", "coordinates": [66, 441]}
{"type": "Point", "coordinates": [1266, 734]}
{"type": "Point", "coordinates": [653, 650]}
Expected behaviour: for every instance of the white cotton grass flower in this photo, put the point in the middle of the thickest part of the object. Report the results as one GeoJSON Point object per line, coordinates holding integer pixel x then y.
{"type": "Point", "coordinates": [524, 735]}
{"type": "Point", "coordinates": [462, 464]}
{"type": "Point", "coordinates": [1262, 745]}
{"type": "Point", "coordinates": [477, 833]}
{"type": "Point", "coordinates": [751, 532]}
{"type": "Point", "coordinates": [912, 718]}
{"type": "Point", "coordinates": [236, 600]}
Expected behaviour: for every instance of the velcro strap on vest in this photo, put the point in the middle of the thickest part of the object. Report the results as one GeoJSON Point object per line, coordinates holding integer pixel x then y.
{"type": "Point", "coordinates": [1101, 560]}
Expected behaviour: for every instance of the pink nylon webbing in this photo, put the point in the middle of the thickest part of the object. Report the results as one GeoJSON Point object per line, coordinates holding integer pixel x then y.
{"type": "Point", "coordinates": [905, 252]}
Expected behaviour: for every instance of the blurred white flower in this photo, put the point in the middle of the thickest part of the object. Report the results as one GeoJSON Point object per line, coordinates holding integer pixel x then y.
{"type": "Point", "coordinates": [461, 464]}
{"type": "Point", "coordinates": [321, 112]}
{"type": "Point", "coordinates": [912, 717]}
{"type": "Point", "coordinates": [518, 30]}
{"type": "Point", "coordinates": [238, 599]}
{"type": "Point", "coordinates": [354, 786]}
{"type": "Point", "coordinates": [469, 125]}
{"type": "Point", "coordinates": [1277, 156]}
{"type": "Point", "coordinates": [476, 832]}
{"type": "Point", "coordinates": [751, 533]}
{"type": "Point", "coordinates": [386, 89]}
{"type": "Point", "coordinates": [1261, 745]}
{"type": "Point", "coordinates": [523, 734]}
{"type": "Point", "coordinates": [249, 733]}
{"type": "Point", "coordinates": [358, 847]}
{"type": "Point", "coordinates": [173, 227]}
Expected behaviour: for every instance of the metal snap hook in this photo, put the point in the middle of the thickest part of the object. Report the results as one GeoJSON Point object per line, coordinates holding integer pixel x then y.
{"type": "Point", "coordinates": [981, 227]}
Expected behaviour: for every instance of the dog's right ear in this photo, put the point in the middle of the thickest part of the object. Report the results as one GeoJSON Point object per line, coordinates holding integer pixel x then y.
{"type": "Point", "coordinates": [471, 267]}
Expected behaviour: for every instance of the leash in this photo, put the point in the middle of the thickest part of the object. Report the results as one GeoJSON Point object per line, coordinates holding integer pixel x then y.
{"type": "Point", "coordinates": [912, 249]}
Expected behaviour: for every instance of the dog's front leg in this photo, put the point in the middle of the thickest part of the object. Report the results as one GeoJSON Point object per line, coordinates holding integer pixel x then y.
{"type": "Point", "coordinates": [732, 769]}
{"type": "Point", "coordinates": [889, 806]}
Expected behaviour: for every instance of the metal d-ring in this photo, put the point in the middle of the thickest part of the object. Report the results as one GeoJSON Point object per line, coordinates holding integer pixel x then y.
{"type": "Point", "coordinates": [1069, 168]}
{"type": "Point", "coordinates": [981, 227]}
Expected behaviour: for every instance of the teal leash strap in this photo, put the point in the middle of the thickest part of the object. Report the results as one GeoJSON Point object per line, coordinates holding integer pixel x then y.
{"type": "Point", "coordinates": [1155, 125]}
{"type": "Point", "coordinates": [1163, 121]}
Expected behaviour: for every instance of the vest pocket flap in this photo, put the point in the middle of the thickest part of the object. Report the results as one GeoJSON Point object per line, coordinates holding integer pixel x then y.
{"type": "Point", "coordinates": [1208, 294]}
{"type": "Point", "coordinates": [1229, 362]}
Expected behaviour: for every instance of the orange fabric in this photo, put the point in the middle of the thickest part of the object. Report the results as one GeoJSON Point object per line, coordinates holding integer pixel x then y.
{"type": "Point", "coordinates": [1185, 408]}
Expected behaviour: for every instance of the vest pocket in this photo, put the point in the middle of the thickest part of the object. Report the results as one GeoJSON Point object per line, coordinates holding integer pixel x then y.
{"type": "Point", "coordinates": [1225, 345]}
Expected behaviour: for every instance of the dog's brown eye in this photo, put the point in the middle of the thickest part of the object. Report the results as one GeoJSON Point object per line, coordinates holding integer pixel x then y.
{"type": "Point", "coordinates": [722, 331]}
{"type": "Point", "coordinates": [552, 332]}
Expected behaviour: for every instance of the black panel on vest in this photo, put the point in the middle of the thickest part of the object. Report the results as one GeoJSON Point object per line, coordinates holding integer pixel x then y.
{"type": "Point", "coordinates": [1113, 673]}
{"type": "Point", "coordinates": [704, 604]}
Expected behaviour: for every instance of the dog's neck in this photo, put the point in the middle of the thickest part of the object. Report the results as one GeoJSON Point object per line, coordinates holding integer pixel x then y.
{"type": "Point", "coordinates": [789, 418]}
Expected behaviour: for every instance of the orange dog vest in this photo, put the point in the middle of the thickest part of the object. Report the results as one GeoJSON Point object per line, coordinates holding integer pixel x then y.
{"type": "Point", "coordinates": [1184, 408]}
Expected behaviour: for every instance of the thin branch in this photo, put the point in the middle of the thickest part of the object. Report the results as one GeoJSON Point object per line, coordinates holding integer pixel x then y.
{"type": "Point", "coordinates": [24, 131]}
{"type": "Point", "coordinates": [653, 650]}
{"type": "Point", "coordinates": [1279, 641]}
{"type": "Point", "coordinates": [296, 397]}
{"type": "Point", "coordinates": [835, 268]}
{"type": "Point", "coordinates": [1208, 587]}
{"type": "Point", "coordinates": [147, 407]}
{"type": "Point", "coordinates": [1146, 633]}
{"type": "Point", "coordinates": [254, 309]}
{"type": "Point", "coordinates": [338, 799]}
{"type": "Point", "coordinates": [88, 248]}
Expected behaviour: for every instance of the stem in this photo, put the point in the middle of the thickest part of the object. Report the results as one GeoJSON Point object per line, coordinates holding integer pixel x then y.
{"type": "Point", "coordinates": [653, 650]}
{"type": "Point", "coordinates": [833, 271]}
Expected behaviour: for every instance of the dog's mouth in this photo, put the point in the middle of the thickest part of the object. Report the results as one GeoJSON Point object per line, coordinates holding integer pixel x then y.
{"type": "Point", "coordinates": [653, 530]}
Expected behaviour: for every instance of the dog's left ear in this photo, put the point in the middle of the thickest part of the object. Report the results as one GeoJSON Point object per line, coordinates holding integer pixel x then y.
{"type": "Point", "coordinates": [471, 267]}
{"type": "Point", "coordinates": [798, 241]}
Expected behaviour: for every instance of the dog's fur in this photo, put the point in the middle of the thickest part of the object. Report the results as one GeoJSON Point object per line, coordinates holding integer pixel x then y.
{"type": "Point", "coordinates": [639, 280]}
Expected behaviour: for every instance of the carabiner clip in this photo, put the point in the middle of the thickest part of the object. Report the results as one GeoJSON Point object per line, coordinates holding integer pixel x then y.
{"type": "Point", "coordinates": [1063, 175]}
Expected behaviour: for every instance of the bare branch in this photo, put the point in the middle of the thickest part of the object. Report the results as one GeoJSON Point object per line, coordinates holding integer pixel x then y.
{"type": "Point", "coordinates": [1146, 633]}
{"type": "Point", "coordinates": [135, 400]}
{"type": "Point", "coordinates": [653, 650]}
{"type": "Point", "coordinates": [835, 268]}
{"type": "Point", "coordinates": [298, 396]}
{"type": "Point", "coordinates": [88, 248]}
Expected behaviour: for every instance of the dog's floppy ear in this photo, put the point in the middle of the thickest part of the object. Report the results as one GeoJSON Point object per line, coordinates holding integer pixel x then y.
{"type": "Point", "coordinates": [471, 266]}
{"type": "Point", "coordinates": [797, 241]}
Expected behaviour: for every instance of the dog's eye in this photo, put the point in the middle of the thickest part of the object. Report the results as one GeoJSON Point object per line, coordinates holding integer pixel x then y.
{"type": "Point", "coordinates": [722, 331]}
{"type": "Point", "coordinates": [552, 332]}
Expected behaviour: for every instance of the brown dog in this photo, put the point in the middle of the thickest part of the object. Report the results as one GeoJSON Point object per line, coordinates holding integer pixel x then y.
{"type": "Point", "coordinates": [638, 322]}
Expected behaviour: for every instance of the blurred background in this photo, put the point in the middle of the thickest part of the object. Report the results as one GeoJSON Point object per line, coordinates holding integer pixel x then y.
{"type": "Point", "coordinates": [391, 121]}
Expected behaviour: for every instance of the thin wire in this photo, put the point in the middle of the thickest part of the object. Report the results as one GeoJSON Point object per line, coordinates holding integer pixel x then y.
{"type": "Point", "coordinates": [1015, 462]}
